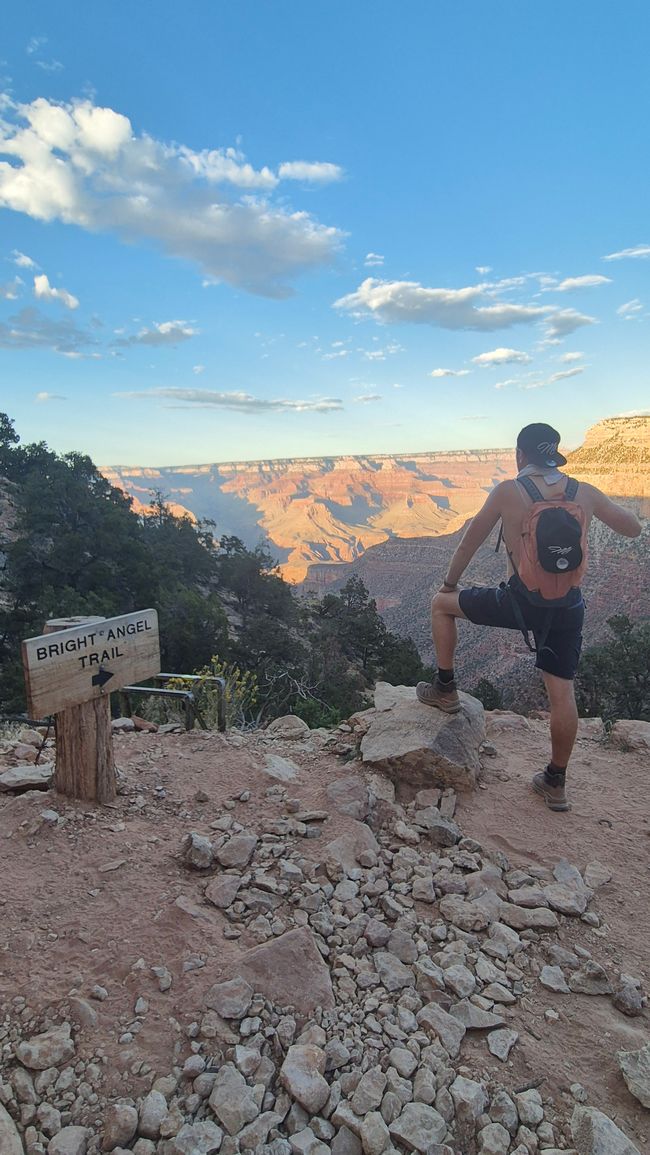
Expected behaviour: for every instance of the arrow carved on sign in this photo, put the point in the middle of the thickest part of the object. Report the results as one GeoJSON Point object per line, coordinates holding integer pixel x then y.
{"type": "Point", "coordinates": [102, 677]}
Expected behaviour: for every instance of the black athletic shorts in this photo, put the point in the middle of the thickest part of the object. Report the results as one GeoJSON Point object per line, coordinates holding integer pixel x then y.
{"type": "Point", "coordinates": [560, 651]}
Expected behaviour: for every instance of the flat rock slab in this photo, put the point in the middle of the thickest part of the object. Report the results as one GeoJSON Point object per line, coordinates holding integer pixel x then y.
{"type": "Point", "coordinates": [47, 1050]}
{"type": "Point", "coordinates": [282, 769]}
{"type": "Point", "coordinates": [346, 849]}
{"type": "Point", "coordinates": [423, 746]}
{"type": "Point", "coordinates": [21, 778]}
{"type": "Point", "coordinates": [290, 971]}
{"type": "Point", "coordinates": [594, 1134]}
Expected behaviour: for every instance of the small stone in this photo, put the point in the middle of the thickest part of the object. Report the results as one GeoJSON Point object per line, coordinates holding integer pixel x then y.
{"type": "Point", "coordinates": [375, 1136]}
{"type": "Point", "coordinates": [345, 1142]}
{"type": "Point", "coordinates": [419, 1127]}
{"type": "Point", "coordinates": [152, 1112]}
{"type": "Point", "coordinates": [393, 974]}
{"type": "Point", "coordinates": [49, 1049]}
{"type": "Point", "coordinates": [222, 891]}
{"type": "Point", "coordinates": [470, 1098]}
{"type": "Point", "coordinates": [442, 831]}
{"type": "Point", "coordinates": [597, 875]}
{"type": "Point", "coordinates": [164, 978]}
{"type": "Point", "coordinates": [120, 1125]}
{"type": "Point", "coordinates": [522, 918]}
{"type": "Point", "coordinates": [447, 1028]}
{"type": "Point", "coordinates": [635, 1068]}
{"type": "Point", "coordinates": [238, 851]}
{"type": "Point", "coordinates": [10, 1141]}
{"type": "Point", "coordinates": [500, 1043]}
{"type": "Point", "coordinates": [302, 1075]}
{"type": "Point", "coordinates": [230, 999]}
{"type": "Point", "coordinates": [194, 1139]}
{"type": "Point", "coordinates": [553, 979]}
{"type": "Point", "coordinates": [460, 980]}
{"type": "Point", "coordinates": [196, 851]}
{"type": "Point", "coordinates": [529, 1107]}
{"type": "Point", "coordinates": [465, 915]}
{"type": "Point", "coordinates": [232, 1100]}
{"type": "Point", "coordinates": [493, 1140]}
{"type": "Point", "coordinates": [369, 1091]}
{"type": "Point", "coordinates": [497, 993]}
{"type": "Point", "coordinates": [628, 999]}
{"type": "Point", "coordinates": [475, 1019]}
{"type": "Point", "coordinates": [69, 1141]}
{"type": "Point", "coordinates": [403, 1061]}
{"type": "Point", "coordinates": [590, 979]}
{"type": "Point", "coordinates": [503, 1110]}
{"type": "Point", "coordinates": [565, 899]}
{"type": "Point", "coordinates": [423, 889]}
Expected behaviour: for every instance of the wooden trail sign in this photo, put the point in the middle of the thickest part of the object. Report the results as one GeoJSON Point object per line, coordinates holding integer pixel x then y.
{"type": "Point", "coordinates": [70, 671]}
{"type": "Point", "coordinates": [90, 660]}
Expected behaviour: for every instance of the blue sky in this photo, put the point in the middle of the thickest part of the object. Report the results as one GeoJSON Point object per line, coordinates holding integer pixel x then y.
{"type": "Point", "coordinates": [275, 228]}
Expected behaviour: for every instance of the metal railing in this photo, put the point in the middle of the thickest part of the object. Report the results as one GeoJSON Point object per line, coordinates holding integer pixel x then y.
{"type": "Point", "coordinates": [186, 698]}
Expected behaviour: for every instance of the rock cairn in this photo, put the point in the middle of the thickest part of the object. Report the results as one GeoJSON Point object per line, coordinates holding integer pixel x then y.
{"type": "Point", "coordinates": [343, 1030]}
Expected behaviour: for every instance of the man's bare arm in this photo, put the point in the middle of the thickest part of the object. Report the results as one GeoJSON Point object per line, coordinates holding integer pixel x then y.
{"type": "Point", "coordinates": [478, 530]}
{"type": "Point", "coordinates": [618, 518]}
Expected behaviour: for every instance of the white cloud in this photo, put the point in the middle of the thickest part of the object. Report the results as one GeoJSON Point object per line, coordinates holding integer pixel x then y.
{"type": "Point", "coordinates": [636, 251]}
{"type": "Point", "coordinates": [507, 382]}
{"type": "Point", "coordinates": [44, 397]}
{"type": "Point", "coordinates": [318, 172]}
{"type": "Point", "coordinates": [567, 373]}
{"type": "Point", "coordinates": [44, 290]}
{"type": "Point", "coordinates": [373, 260]}
{"type": "Point", "coordinates": [162, 333]}
{"type": "Point", "coordinates": [568, 357]}
{"type": "Point", "coordinates": [468, 308]}
{"type": "Point", "coordinates": [635, 413]}
{"type": "Point", "coordinates": [502, 356]}
{"type": "Point", "coordinates": [587, 282]}
{"type": "Point", "coordinates": [366, 398]}
{"type": "Point", "coordinates": [483, 270]}
{"type": "Point", "coordinates": [449, 372]}
{"type": "Point", "coordinates": [630, 308]}
{"type": "Point", "coordinates": [31, 329]}
{"type": "Point", "coordinates": [198, 369]}
{"type": "Point", "coordinates": [239, 402]}
{"type": "Point", "coordinates": [10, 291]}
{"type": "Point", "coordinates": [22, 260]}
{"type": "Point", "coordinates": [336, 353]}
{"type": "Point", "coordinates": [84, 165]}
{"type": "Point", "coordinates": [35, 44]}
{"type": "Point", "coordinates": [566, 321]}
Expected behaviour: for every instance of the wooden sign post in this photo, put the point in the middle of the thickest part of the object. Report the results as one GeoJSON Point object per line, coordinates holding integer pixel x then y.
{"type": "Point", "coordinates": [70, 671]}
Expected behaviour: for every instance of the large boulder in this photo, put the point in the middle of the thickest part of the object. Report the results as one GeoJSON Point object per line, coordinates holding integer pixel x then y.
{"type": "Point", "coordinates": [10, 1141]}
{"type": "Point", "coordinates": [635, 1068]}
{"type": "Point", "coordinates": [422, 745]}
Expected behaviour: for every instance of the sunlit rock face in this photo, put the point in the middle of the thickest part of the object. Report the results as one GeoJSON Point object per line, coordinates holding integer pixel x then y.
{"type": "Point", "coordinates": [327, 509]}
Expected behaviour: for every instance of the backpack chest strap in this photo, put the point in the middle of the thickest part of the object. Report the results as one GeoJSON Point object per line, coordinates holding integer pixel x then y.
{"type": "Point", "coordinates": [531, 489]}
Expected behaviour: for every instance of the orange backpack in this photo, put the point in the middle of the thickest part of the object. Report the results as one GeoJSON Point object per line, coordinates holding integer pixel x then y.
{"type": "Point", "coordinates": [553, 556]}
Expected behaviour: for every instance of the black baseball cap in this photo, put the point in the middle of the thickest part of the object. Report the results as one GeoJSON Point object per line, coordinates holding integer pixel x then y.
{"type": "Point", "coordinates": [540, 444]}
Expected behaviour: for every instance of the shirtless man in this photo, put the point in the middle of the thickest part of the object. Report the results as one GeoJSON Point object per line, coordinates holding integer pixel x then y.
{"type": "Point", "coordinates": [559, 650]}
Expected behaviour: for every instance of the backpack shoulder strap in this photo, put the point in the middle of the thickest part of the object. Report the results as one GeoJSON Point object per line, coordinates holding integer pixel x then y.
{"type": "Point", "coordinates": [571, 489]}
{"type": "Point", "coordinates": [531, 489]}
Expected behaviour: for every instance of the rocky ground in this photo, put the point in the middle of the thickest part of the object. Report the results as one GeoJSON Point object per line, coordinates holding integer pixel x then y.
{"type": "Point", "coordinates": [267, 944]}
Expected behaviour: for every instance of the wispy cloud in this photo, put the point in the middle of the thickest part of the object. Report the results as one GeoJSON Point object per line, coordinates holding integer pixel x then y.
{"type": "Point", "coordinates": [373, 260]}
{"type": "Point", "coordinates": [45, 291]}
{"type": "Point", "coordinates": [22, 260]}
{"type": "Point", "coordinates": [468, 308]}
{"type": "Point", "coordinates": [449, 372]}
{"type": "Point", "coordinates": [502, 356]}
{"type": "Point", "coordinates": [316, 172]}
{"type": "Point", "coordinates": [642, 251]}
{"type": "Point", "coordinates": [198, 369]}
{"type": "Point", "coordinates": [566, 321]}
{"type": "Point", "coordinates": [239, 402]}
{"type": "Point", "coordinates": [84, 165]}
{"type": "Point", "coordinates": [568, 357]}
{"type": "Point", "coordinates": [630, 308]}
{"type": "Point", "coordinates": [162, 333]}
{"type": "Point", "coordinates": [43, 398]}
{"type": "Point", "coordinates": [586, 282]}
{"type": "Point", "coordinates": [366, 398]}
{"type": "Point", "coordinates": [10, 291]}
{"type": "Point", "coordinates": [567, 373]}
{"type": "Point", "coordinates": [31, 329]}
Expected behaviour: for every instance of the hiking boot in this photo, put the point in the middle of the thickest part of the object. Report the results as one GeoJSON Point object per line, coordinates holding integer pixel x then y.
{"type": "Point", "coordinates": [554, 796]}
{"type": "Point", "coordinates": [444, 695]}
